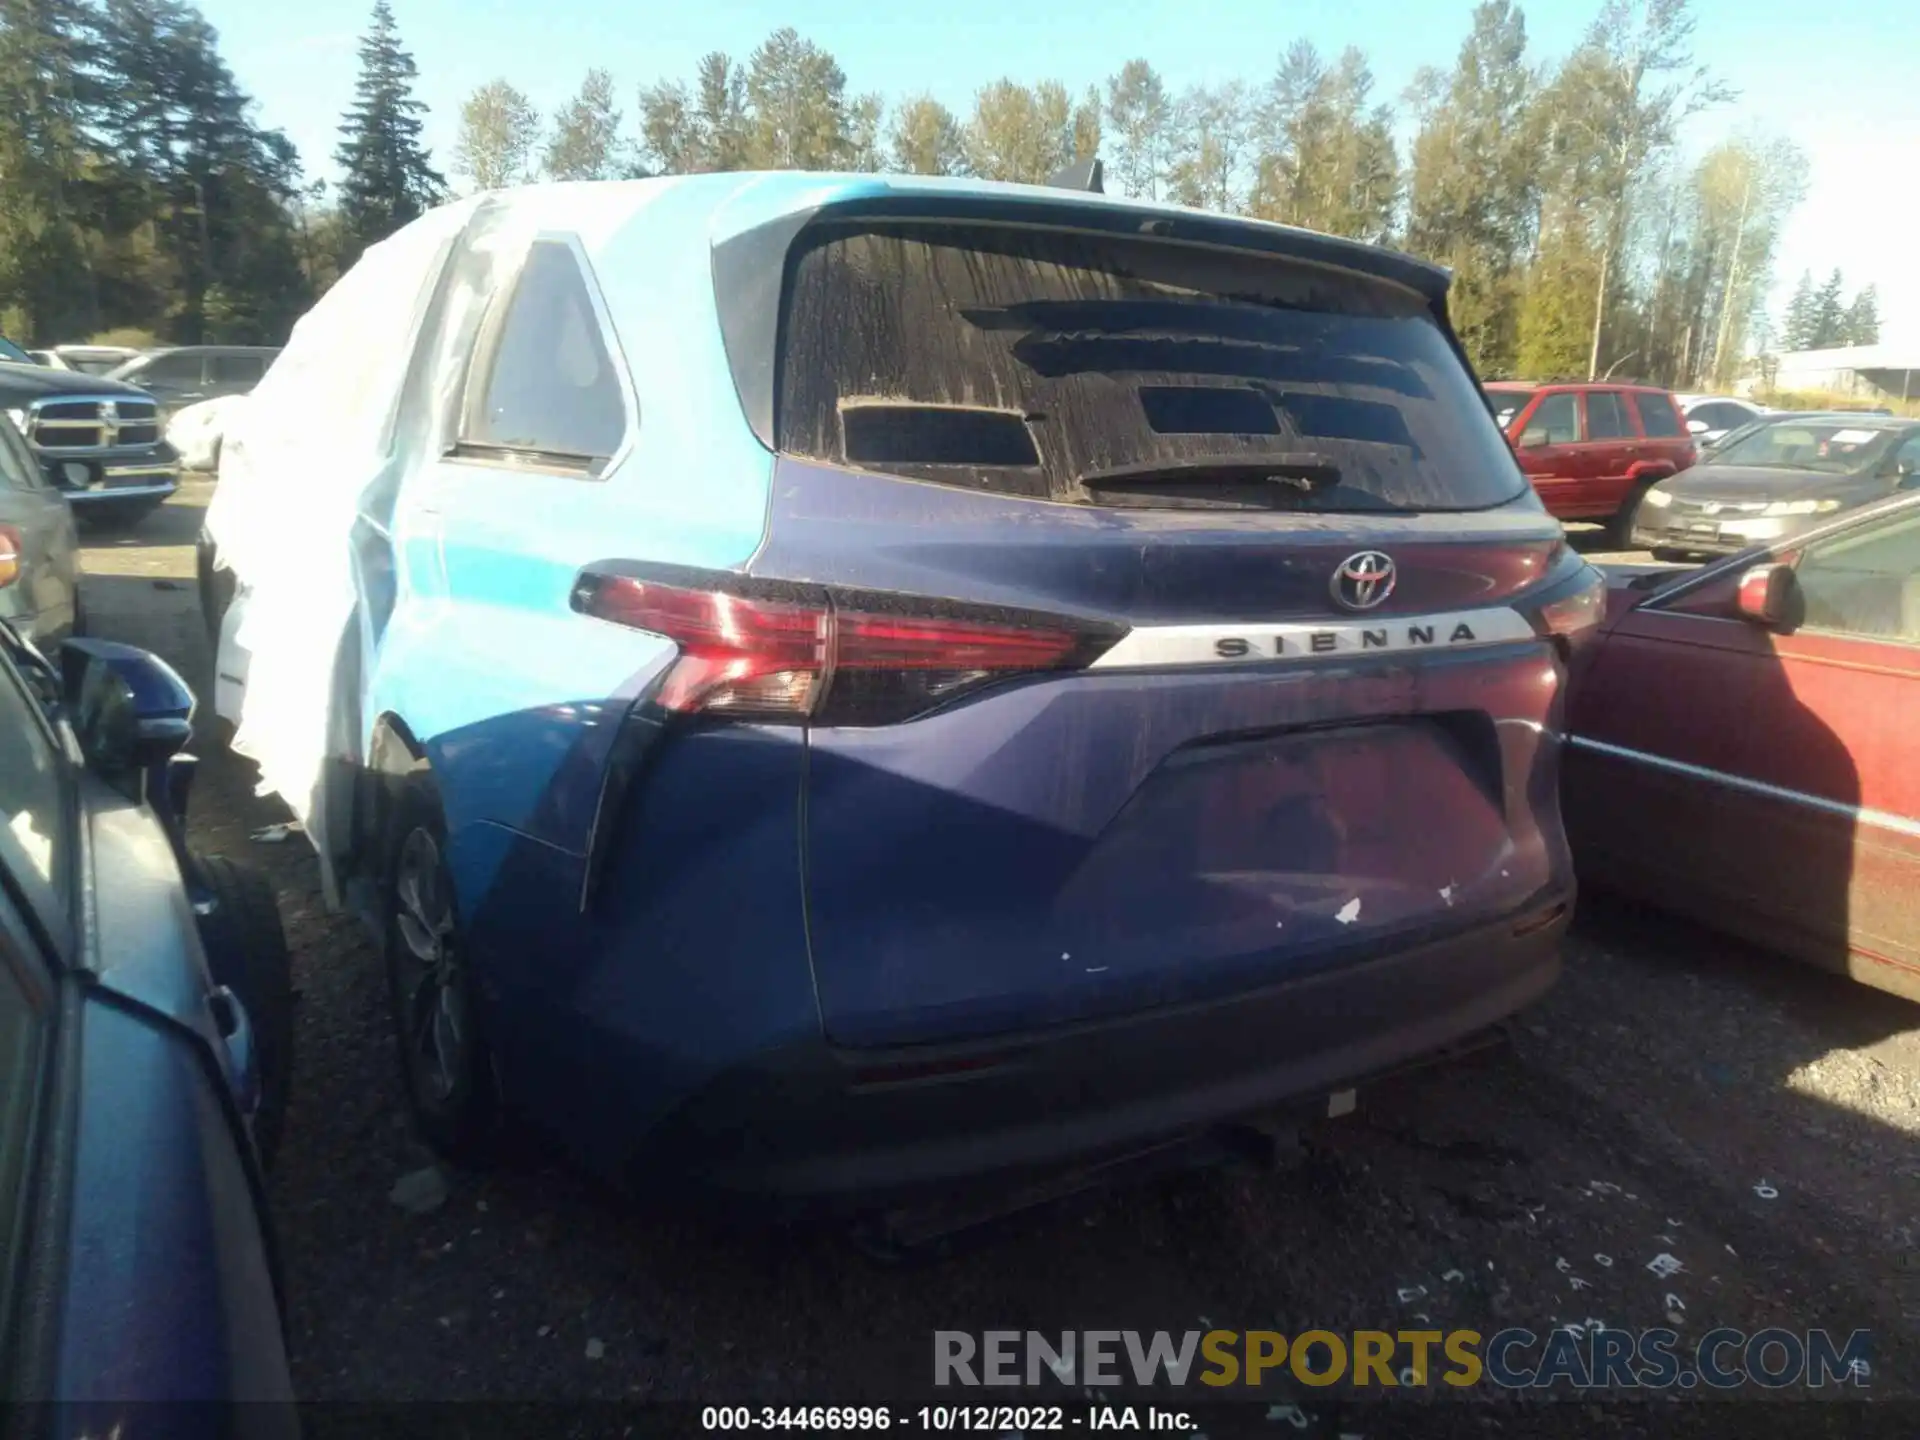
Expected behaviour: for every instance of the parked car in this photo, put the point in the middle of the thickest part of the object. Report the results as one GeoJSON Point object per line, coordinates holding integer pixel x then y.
{"type": "Point", "coordinates": [1711, 418]}
{"type": "Point", "coordinates": [98, 441]}
{"type": "Point", "coordinates": [88, 359]}
{"type": "Point", "coordinates": [187, 374]}
{"type": "Point", "coordinates": [1776, 477]}
{"type": "Point", "coordinates": [145, 1032]}
{"type": "Point", "coordinates": [1591, 450]}
{"type": "Point", "coordinates": [12, 354]}
{"type": "Point", "coordinates": [39, 551]}
{"type": "Point", "coordinates": [1743, 750]}
{"type": "Point", "coordinates": [1111, 645]}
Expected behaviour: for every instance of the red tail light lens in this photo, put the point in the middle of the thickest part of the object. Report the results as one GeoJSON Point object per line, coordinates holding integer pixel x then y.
{"type": "Point", "coordinates": [13, 549]}
{"type": "Point", "coordinates": [773, 651]}
{"type": "Point", "coordinates": [1577, 613]}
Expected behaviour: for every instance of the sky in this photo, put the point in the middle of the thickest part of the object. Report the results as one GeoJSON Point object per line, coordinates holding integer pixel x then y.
{"type": "Point", "coordinates": [1828, 78]}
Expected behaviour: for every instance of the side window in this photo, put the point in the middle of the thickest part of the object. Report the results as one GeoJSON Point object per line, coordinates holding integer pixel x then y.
{"type": "Point", "coordinates": [1559, 417]}
{"type": "Point", "coordinates": [1906, 460]}
{"type": "Point", "coordinates": [26, 1011]}
{"type": "Point", "coordinates": [1865, 582]}
{"type": "Point", "coordinates": [18, 469]}
{"type": "Point", "coordinates": [33, 794]}
{"type": "Point", "coordinates": [1607, 416]}
{"type": "Point", "coordinates": [1657, 415]}
{"type": "Point", "coordinates": [170, 370]}
{"type": "Point", "coordinates": [236, 369]}
{"type": "Point", "coordinates": [549, 386]}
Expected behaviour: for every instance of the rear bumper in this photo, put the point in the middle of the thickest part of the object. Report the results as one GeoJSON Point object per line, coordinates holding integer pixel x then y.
{"type": "Point", "coordinates": [821, 1124]}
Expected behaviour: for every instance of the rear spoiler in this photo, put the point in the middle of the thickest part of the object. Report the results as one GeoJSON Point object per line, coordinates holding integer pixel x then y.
{"type": "Point", "coordinates": [1088, 175]}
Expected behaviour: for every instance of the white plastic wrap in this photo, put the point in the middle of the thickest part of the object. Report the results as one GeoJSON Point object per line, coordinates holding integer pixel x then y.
{"type": "Point", "coordinates": [295, 461]}
{"type": "Point", "coordinates": [195, 431]}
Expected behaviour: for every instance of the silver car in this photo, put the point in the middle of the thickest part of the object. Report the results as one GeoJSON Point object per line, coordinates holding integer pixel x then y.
{"type": "Point", "coordinates": [39, 551]}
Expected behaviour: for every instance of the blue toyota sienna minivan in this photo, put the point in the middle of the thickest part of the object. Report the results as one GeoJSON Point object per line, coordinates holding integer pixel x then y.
{"type": "Point", "coordinates": [856, 682]}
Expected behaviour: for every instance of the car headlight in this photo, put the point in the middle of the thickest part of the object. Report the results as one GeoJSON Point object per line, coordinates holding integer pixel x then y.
{"type": "Point", "coordinates": [19, 418]}
{"type": "Point", "coordinates": [1802, 507]}
{"type": "Point", "coordinates": [1659, 499]}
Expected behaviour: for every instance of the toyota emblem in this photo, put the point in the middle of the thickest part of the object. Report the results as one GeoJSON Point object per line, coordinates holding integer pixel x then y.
{"type": "Point", "coordinates": [1362, 581]}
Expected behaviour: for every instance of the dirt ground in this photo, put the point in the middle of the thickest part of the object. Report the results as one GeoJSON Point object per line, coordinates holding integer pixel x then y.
{"type": "Point", "coordinates": [1678, 1095]}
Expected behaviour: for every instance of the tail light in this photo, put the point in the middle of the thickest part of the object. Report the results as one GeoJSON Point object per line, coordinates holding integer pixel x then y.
{"type": "Point", "coordinates": [771, 650]}
{"type": "Point", "coordinates": [13, 551]}
{"type": "Point", "coordinates": [1576, 612]}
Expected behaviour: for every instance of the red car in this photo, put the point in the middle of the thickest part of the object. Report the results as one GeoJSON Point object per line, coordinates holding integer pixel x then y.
{"type": "Point", "coordinates": [1591, 450]}
{"type": "Point", "coordinates": [1744, 747]}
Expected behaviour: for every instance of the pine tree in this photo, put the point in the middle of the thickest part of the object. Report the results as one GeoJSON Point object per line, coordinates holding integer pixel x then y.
{"type": "Point", "coordinates": [1863, 318]}
{"type": "Point", "coordinates": [387, 178]}
{"type": "Point", "coordinates": [1829, 315]}
{"type": "Point", "coordinates": [1800, 327]}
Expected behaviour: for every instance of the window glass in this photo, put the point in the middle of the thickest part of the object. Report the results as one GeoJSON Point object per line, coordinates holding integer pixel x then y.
{"type": "Point", "coordinates": [1088, 369]}
{"type": "Point", "coordinates": [1865, 582]}
{"type": "Point", "coordinates": [1835, 447]}
{"type": "Point", "coordinates": [236, 369]}
{"type": "Point", "coordinates": [550, 385]}
{"type": "Point", "coordinates": [1720, 417]}
{"type": "Point", "coordinates": [1906, 460]}
{"type": "Point", "coordinates": [1657, 415]}
{"type": "Point", "coordinates": [33, 795]}
{"type": "Point", "coordinates": [1607, 416]}
{"type": "Point", "coordinates": [1558, 418]}
{"type": "Point", "coordinates": [18, 469]}
{"type": "Point", "coordinates": [168, 370]}
{"type": "Point", "coordinates": [1507, 404]}
{"type": "Point", "coordinates": [25, 995]}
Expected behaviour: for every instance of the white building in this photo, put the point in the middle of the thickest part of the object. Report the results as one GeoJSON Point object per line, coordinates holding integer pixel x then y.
{"type": "Point", "coordinates": [1865, 372]}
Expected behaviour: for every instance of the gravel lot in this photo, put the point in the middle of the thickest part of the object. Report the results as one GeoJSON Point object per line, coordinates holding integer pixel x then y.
{"type": "Point", "coordinates": [1678, 1094]}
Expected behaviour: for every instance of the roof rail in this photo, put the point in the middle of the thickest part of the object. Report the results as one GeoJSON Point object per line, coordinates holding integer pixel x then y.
{"type": "Point", "coordinates": [1085, 175]}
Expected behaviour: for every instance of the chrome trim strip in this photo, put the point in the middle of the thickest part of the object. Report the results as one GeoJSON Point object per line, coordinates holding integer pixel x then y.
{"type": "Point", "coordinates": [118, 492]}
{"type": "Point", "coordinates": [1860, 815]}
{"type": "Point", "coordinates": [1228, 643]}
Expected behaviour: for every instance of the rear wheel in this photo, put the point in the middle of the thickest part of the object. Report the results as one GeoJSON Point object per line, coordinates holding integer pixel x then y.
{"type": "Point", "coordinates": [247, 952]}
{"type": "Point", "coordinates": [1669, 555]}
{"type": "Point", "coordinates": [443, 1058]}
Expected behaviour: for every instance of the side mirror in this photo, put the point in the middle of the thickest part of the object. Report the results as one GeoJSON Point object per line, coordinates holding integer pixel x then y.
{"type": "Point", "coordinates": [1697, 427]}
{"type": "Point", "coordinates": [1534, 439]}
{"type": "Point", "coordinates": [1766, 595]}
{"type": "Point", "coordinates": [130, 710]}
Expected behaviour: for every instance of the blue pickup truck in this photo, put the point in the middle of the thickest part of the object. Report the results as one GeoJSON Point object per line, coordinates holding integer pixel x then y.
{"type": "Point", "coordinates": [145, 1048]}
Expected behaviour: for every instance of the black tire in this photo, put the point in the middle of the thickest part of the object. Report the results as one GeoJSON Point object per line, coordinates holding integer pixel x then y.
{"type": "Point", "coordinates": [1619, 527]}
{"type": "Point", "coordinates": [217, 586]}
{"type": "Point", "coordinates": [1666, 554]}
{"type": "Point", "coordinates": [247, 952]}
{"type": "Point", "coordinates": [445, 1061]}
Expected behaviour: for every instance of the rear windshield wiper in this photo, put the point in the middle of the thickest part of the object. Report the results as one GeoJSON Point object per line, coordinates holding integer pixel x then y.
{"type": "Point", "coordinates": [1301, 470]}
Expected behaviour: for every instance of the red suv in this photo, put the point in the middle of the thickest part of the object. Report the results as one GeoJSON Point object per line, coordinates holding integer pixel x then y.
{"type": "Point", "coordinates": [1592, 449]}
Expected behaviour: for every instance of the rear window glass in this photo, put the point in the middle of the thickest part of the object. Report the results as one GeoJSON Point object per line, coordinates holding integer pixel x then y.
{"type": "Point", "coordinates": [1607, 415]}
{"type": "Point", "coordinates": [1657, 415]}
{"type": "Point", "coordinates": [1113, 371]}
{"type": "Point", "coordinates": [1507, 404]}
